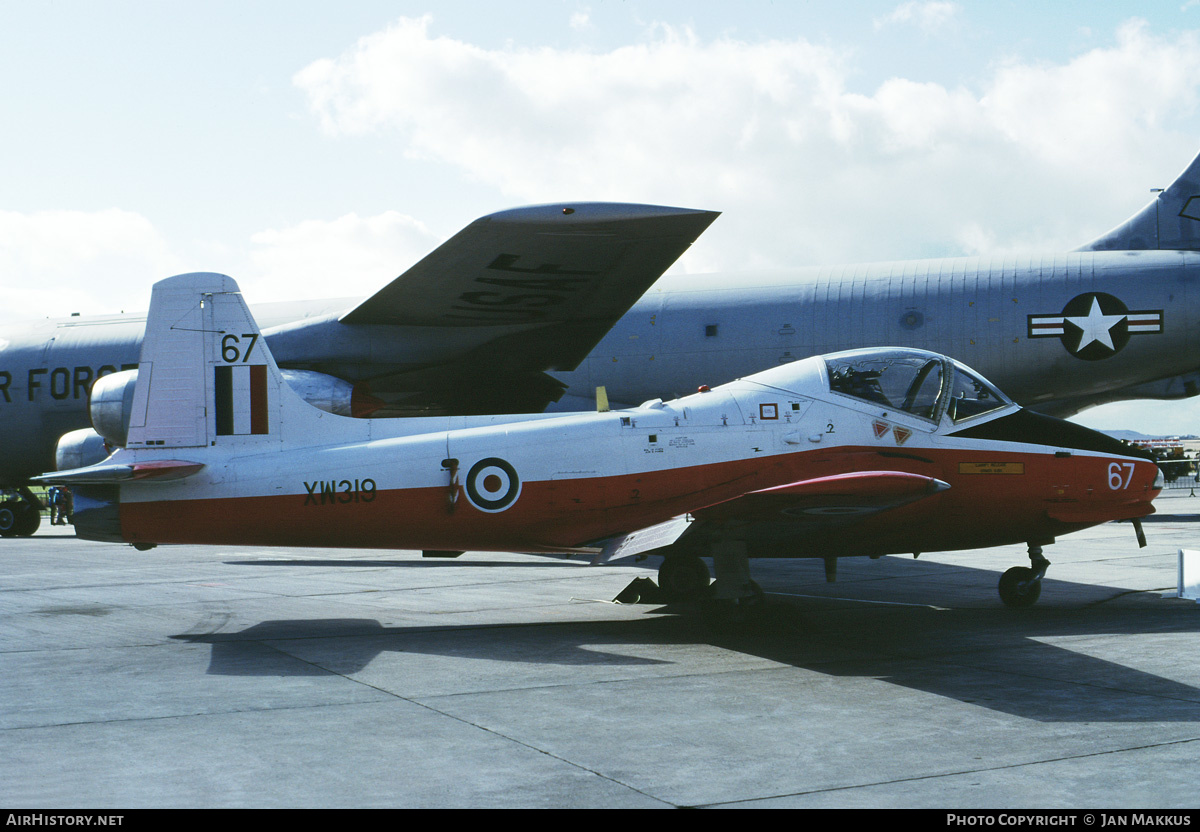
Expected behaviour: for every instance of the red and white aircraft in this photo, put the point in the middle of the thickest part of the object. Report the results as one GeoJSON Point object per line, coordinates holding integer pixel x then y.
{"type": "Point", "coordinates": [870, 452]}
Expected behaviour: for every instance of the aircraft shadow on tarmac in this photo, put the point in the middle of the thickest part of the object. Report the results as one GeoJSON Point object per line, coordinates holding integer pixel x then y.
{"type": "Point", "coordinates": [993, 657]}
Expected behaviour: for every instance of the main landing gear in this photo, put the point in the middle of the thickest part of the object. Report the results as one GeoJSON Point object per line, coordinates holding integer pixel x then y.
{"type": "Point", "coordinates": [1022, 585]}
{"type": "Point", "coordinates": [20, 516]}
{"type": "Point", "coordinates": [686, 578]}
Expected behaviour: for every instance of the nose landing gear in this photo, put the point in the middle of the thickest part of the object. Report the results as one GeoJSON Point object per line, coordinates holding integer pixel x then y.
{"type": "Point", "coordinates": [1021, 586]}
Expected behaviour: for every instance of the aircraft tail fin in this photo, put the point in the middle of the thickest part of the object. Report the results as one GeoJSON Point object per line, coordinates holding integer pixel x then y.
{"type": "Point", "coordinates": [1170, 222]}
{"type": "Point", "coordinates": [206, 376]}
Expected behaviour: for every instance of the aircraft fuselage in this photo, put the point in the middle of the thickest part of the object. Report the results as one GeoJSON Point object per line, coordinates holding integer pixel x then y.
{"type": "Point", "coordinates": [551, 484]}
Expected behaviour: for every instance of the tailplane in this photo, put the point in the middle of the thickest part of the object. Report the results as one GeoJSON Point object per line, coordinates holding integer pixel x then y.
{"type": "Point", "coordinates": [1170, 222]}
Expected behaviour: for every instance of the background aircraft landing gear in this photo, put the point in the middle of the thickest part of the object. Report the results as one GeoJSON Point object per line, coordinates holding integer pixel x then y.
{"type": "Point", "coordinates": [20, 516]}
{"type": "Point", "coordinates": [1021, 586]}
{"type": "Point", "coordinates": [9, 510]}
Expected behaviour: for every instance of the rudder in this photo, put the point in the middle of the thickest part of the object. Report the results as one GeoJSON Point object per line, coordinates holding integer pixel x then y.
{"type": "Point", "coordinates": [1170, 222]}
{"type": "Point", "coordinates": [205, 374]}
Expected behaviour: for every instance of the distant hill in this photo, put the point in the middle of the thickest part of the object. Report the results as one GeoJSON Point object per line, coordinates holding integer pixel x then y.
{"type": "Point", "coordinates": [1134, 436]}
{"type": "Point", "coordinates": [1127, 435]}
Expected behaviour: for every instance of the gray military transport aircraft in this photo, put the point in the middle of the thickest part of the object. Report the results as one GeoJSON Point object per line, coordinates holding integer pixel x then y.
{"type": "Point", "coordinates": [537, 307]}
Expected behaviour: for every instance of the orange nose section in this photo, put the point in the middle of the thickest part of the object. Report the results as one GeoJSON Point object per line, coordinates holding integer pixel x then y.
{"type": "Point", "coordinates": [1117, 489]}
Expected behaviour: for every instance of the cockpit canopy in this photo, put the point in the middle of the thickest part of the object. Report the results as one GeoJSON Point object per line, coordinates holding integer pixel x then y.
{"type": "Point", "coordinates": [921, 383]}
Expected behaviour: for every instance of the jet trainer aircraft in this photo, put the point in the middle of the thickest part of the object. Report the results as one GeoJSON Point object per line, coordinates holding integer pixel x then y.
{"type": "Point", "coordinates": [868, 452]}
{"type": "Point", "coordinates": [510, 316]}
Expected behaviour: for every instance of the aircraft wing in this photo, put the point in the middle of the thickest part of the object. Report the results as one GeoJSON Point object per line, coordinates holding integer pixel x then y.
{"type": "Point", "coordinates": [554, 277]}
{"type": "Point", "coordinates": [825, 498]}
{"type": "Point", "coordinates": [821, 502]}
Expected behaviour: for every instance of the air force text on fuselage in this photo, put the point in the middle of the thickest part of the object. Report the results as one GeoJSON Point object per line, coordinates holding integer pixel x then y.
{"type": "Point", "coordinates": [58, 383]}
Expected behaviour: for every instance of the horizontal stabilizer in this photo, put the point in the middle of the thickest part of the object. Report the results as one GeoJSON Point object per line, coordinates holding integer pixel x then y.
{"type": "Point", "coordinates": [159, 470]}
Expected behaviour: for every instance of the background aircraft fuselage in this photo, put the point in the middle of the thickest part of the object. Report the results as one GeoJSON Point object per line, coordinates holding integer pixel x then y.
{"type": "Point", "coordinates": [1003, 316]}
{"type": "Point", "coordinates": [1058, 333]}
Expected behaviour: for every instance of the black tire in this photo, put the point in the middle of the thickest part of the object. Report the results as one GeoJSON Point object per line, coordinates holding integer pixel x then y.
{"type": "Point", "coordinates": [10, 513]}
{"type": "Point", "coordinates": [29, 517]}
{"type": "Point", "coordinates": [684, 578]}
{"type": "Point", "coordinates": [1011, 591]}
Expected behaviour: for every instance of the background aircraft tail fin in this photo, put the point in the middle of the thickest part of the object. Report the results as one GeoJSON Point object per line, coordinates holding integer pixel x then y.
{"type": "Point", "coordinates": [205, 375]}
{"type": "Point", "coordinates": [1170, 222]}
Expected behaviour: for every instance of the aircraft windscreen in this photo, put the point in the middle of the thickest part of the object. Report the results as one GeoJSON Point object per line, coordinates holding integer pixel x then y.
{"type": "Point", "coordinates": [971, 396]}
{"type": "Point", "coordinates": [906, 381]}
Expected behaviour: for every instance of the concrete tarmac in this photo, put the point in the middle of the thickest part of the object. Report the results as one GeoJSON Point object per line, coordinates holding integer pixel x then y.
{"type": "Point", "coordinates": [192, 676]}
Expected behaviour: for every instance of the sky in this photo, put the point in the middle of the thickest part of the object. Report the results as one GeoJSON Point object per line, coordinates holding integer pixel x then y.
{"type": "Point", "coordinates": [319, 149]}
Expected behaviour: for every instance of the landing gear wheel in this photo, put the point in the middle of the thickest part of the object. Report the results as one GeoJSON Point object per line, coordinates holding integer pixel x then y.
{"type": "Point", "coordinates": [1013, 594]}
{"type": "Point", "coordinates": [19, 518]}
{"type": "Point", "coordinates": [29, 517]}
{"type": "Point", "coordinates": [10, 511]}
{"type": "Point", "coordinates": [684, 578]}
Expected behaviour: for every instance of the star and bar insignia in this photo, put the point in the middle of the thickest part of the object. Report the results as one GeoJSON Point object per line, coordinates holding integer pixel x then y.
{"type": "Point", "coordinates": [1096, 325]}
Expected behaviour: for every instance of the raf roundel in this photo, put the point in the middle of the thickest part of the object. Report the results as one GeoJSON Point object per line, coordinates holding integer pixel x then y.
{"type": "Point", "coordinates": [493, 485]}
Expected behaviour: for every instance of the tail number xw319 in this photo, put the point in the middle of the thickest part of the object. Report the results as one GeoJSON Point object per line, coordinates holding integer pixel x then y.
{"type": "Point", "coordinates": [1120, 474]}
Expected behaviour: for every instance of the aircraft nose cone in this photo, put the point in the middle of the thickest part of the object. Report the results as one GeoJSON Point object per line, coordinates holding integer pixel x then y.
{"type": "Point", "coordinates": [1160, 481]}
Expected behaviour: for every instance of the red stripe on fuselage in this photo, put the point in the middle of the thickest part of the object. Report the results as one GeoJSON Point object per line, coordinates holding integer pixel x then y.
{"type": "Point", "coordinates": [978, 509]}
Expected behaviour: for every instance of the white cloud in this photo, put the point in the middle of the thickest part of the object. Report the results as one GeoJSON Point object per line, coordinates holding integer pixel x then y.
{"type": "Point", "coordinates": [581, 20]}
{"type": "Point", "coordinates": [347, 257]}
{"type": "Point", "coordinates": [54, 263]}
{"type": "Point", "coordinates": [44, 257]}
{"type": "Point", "coordinates": [1118, 95]}
{"type": "Point", "coordinates": [805, 168]}
{"type": "Point", "coordinates": [930, 16]}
